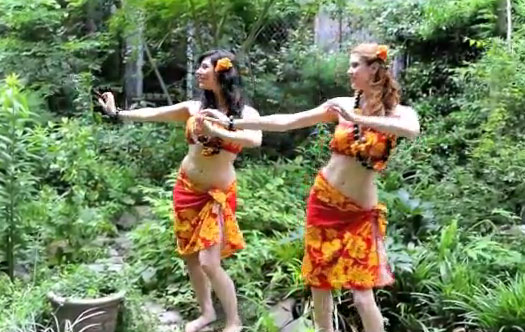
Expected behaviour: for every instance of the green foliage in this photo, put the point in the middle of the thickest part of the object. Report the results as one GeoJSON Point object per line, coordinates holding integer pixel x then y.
{"type": "Point", "coordinates": [465, 167]}
{"type": "Point", "coordinates": [300, 76]}
{"type": "Point", "coordinates": [66, 227]}
{"type": "Point", "coordinates": [478, 15]}
{"type": "Point", "coordinates": [154, 257]}
{"type": "Point", "coordinates": [411, 220]}
{"type": "Point", "coordinates": [280, 211]}
{"type": "Point", "coordinates": [153, 150]}
{"type": "Point", "coordinates": [82, 282]}
{"type": "Point", "coordinates": [448, 270]}
{"type": "Point", "coordinates": [22, 305]}
{"type": "Point", "coordinates": [219, 23]}
{"type": "Point", "coordinates": [479, 142]}
{"type": "Point", "coordinates": [45, 42]}
{"type": "Point", "coordinates": [17, 163]}
{"type": "Point", "coordinates": [454, 194]}
{"type": "Point", "coordinates": [495, 304]}
{"type": "Point", "coordinates": [81, 193]}
{"type": "Point", "coordinates": [423, 21]}
{"type": "Point", "coordinates": [73, 157]}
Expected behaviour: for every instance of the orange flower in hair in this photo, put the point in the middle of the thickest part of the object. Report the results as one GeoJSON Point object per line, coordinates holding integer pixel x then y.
{"type": "Point", "coordinates": [223, 64]}
{"type": "Point", "coordinates": [382, 52]}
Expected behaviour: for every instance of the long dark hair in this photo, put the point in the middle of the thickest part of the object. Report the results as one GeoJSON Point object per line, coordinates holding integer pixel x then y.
{"type": "Point", "coordinates": [229, 81]}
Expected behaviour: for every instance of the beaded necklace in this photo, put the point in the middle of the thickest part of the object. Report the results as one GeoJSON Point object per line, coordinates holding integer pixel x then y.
{"type": "Point", "coordinates": [367, 162]}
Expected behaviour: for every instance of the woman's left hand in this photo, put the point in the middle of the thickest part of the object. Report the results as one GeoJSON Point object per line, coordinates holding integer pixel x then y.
{"type": "Point", "coordinates": [213, 113]}
{"type": "Point", "coordinates": [204, 127]}
{"type": "Point", "coordinates": [346, 114]}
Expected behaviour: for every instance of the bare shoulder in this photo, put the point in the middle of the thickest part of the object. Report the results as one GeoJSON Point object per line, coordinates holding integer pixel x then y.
{"type": "Point", "coordinates": [249, 112]}
{"type": "Point", "coordinates": [193, 106]}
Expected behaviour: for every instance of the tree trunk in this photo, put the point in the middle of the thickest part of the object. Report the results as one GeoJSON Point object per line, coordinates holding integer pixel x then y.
{"type": "Point", "coordinates": [398, 65]}
{"type": "Point", "coordinates": [189, 61]}
{"type": "Point", "coordinates": [91, 19]}
{"type": "Point", "coordinates": [134, 62]}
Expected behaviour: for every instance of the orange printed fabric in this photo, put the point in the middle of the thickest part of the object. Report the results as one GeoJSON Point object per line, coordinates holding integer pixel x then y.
{"type": "Point", "coordinates": [373, 145]}
{"type": "Point", "coordinates": [199, 216]}
{"type": "Point", "coordinates": [343, 243]}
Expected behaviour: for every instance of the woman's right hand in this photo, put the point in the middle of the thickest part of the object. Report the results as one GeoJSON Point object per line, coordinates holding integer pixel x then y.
{"type": "Point", "coordinates": [204, 127]}
{"type": "Point", "coordinates": [107, 101]}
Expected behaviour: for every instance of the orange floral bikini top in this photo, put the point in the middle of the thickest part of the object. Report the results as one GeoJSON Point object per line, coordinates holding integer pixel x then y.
{"type": "Point", "coordinates": [212, 145]}
{"type": "Point", "coordinates": [370, 147]}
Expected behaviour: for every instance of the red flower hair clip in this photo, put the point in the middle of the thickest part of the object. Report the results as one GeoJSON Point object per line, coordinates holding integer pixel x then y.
{"type": "Point", "coordinates": [382, 52]}
{"type": "Point", "coordinates": [223, 64]}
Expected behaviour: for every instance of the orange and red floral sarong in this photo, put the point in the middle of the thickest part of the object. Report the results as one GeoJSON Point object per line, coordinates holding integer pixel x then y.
{"type": "Point", "coordinates": [199, 216]}
{"type": "Point", "coordinates": [343, 242]}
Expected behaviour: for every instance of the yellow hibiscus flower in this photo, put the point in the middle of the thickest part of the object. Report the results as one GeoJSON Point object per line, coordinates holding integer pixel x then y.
{"type": "Point", "coordinates": [188, 214]}
{"type": "Point", "coordinates": [181, 226]}
{"type": "Point", "coordinates": [313, 237]}
{"type": "Point", "coordinates": [336, 276]}
{"type": "Point", "coordinates": [329, 248]}
{"type": "Point", "coordinates": [210, 230]}
{"type": "Point", "coordinates": [355, 246]}
{"type": "Point", "coordinates": [307, 267]}
{"type": "Point", "coordinates": [373, 260]}
{"type": "Point", "coordinates": [327, 194]}
{"type": "Point", "coordinates": [361, 276]}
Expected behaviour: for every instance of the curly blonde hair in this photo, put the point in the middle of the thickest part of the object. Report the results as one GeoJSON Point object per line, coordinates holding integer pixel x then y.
{"type": "Point", "coordinates": [385, 89]}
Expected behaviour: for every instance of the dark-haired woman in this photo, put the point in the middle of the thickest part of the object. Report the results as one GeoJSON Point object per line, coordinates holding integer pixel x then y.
{"type": "Point", "coordinates": [204, 194]}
